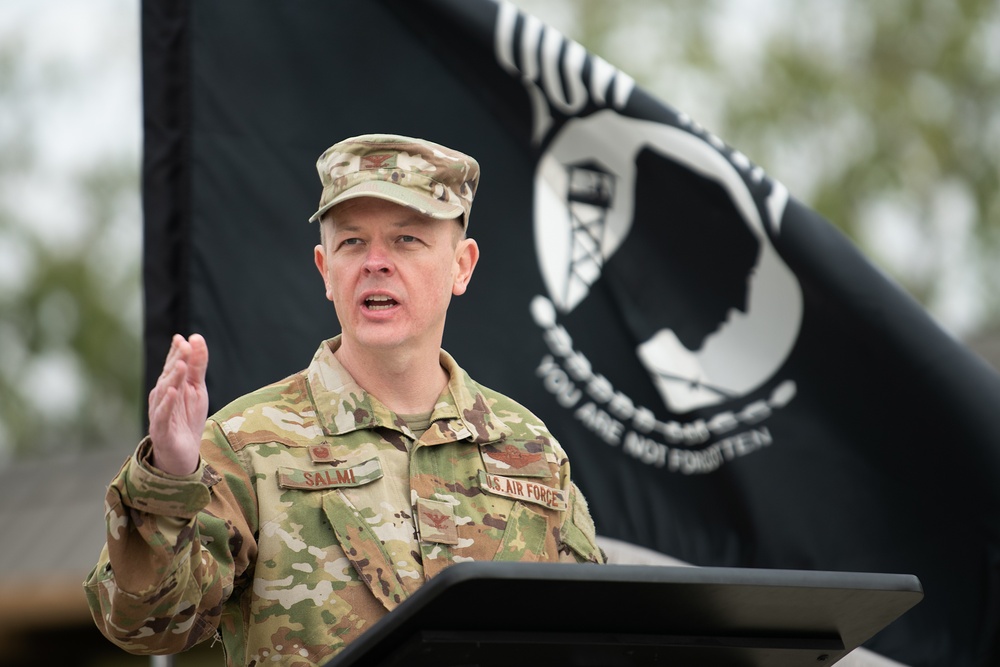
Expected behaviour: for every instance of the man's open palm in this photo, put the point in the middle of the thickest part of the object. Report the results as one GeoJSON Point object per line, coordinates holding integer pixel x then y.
{"type": "Point", "coordinates": [178, 406]}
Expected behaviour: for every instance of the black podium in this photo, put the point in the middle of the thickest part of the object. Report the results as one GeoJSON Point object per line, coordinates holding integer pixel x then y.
{"type": "Point", "coordinates": [490, 614]}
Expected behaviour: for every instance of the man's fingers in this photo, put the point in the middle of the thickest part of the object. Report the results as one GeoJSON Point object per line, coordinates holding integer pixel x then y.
{"type": "Point", "coordinates": [160, 411]}
{"type": "Point", "coordinates": [178, 352]}
{"type": "Point", "coordinates": [197, 358]}
{"type": "Point", "coordinates": [189, 354]}
{"type": "Point", "coordinates": [175, 352]}
{"type": "Point", "coordinates": [172, 375]}
{"type": "Point", "coordinates": [174, 379]}
{"type": "Point", "coordinates": [178, 405]}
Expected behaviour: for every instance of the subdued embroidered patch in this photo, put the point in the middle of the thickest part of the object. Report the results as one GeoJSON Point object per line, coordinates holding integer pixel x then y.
{"type": "Point", "coordinates": [436, 521]}
{"type": "Point", "coordinates": [523, 489]}
{"type": "Point", "coordinates": [330, 478]}
{"type": "Point", "coordinates": [514, 460]}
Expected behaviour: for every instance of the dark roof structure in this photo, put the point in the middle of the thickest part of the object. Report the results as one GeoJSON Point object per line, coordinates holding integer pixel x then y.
{"type": "Point", "coordinates": [51, 520]}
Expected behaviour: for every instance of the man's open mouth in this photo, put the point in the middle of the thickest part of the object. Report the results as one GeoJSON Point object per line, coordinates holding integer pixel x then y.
{"type": "Point", "coordinates": [379, 302]}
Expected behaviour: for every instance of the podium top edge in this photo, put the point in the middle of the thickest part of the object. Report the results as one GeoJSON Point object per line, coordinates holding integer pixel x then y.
{"type": "Point", "coordinates": [681, 575]}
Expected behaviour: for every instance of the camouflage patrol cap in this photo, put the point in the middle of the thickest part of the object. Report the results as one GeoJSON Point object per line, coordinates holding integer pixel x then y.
{"type": "Point", "coordinates": [432, 179]}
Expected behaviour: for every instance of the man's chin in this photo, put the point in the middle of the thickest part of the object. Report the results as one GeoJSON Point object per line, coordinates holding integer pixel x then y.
{"type": "Point", "coordinates": [381, 339]}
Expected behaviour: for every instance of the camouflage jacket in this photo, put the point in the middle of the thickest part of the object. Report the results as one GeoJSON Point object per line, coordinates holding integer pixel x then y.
{"type": "Point", "coordinates": [316, 511]}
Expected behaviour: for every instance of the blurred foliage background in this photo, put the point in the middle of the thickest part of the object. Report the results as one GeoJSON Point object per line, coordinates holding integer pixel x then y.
{"type": "Point", "coordinates": [884, 117]}
{"type": "Point", "coordinates": [70, 226]}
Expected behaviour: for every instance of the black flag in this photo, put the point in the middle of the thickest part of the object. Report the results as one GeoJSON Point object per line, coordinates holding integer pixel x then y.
{"type": "Point", "coordinates": [735, 384]}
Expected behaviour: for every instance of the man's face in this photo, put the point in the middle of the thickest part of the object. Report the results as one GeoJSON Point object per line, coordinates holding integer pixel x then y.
{"type": "Point", "coordinates": [391, 272]}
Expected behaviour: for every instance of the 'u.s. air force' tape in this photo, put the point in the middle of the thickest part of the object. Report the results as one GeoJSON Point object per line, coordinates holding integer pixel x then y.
{"type": "Point", "coordinates": [523, 489]}
{"type": "Point", "coordinates": [330, 478]}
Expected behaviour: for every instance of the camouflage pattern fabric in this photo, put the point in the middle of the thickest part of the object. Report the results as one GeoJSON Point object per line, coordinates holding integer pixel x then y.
{"type": "Point", "coordinates": [316, 511]}
{"type": "Point", "coordinates": [435, 180]}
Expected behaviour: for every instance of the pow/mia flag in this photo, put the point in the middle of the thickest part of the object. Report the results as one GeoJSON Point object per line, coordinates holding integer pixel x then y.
{"type": "Point", "coordinates": [735, 384]}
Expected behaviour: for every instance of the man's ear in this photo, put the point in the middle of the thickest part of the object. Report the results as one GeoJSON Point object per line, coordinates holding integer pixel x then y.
{"type": "Point", "coordinates": [319, 257]}
{"type": "Point", "coordinates": [466, 257]}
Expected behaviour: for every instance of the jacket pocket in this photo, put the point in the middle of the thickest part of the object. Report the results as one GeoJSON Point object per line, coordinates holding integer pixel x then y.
{"type": "Point", "coordinates": [364, 549]}
{"type": "Point", "coordinates": [524, 537]}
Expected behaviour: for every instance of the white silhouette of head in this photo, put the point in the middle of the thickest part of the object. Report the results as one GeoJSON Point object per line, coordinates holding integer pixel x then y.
{"type": "Point", "coordinates": [584, 209]}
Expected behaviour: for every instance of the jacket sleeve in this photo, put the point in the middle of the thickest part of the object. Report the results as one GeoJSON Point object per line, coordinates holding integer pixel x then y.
{"type": "Point", "coordinates": [577, 533]}
{"type": "Point", "coordinates": [175, 549]}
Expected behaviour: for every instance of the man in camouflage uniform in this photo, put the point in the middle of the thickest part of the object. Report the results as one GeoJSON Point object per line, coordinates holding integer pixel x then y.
{"type": "Point", "coordinates": [297, 516]}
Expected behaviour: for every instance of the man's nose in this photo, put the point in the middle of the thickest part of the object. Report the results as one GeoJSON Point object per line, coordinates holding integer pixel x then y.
{"type": "Point", "coordinates": [377, 259]}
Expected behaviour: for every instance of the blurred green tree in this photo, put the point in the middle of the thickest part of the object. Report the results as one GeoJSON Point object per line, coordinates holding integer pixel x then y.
{"type": "Point", "coordinates": [884, 117]}
{"type": "Point", "coordinates": [69, 284]}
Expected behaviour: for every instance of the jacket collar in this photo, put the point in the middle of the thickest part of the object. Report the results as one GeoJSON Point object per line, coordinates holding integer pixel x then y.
{"type": "Point", "coordinates": [462, 411]}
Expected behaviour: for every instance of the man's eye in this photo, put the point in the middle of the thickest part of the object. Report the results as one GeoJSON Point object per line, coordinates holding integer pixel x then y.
{"type": "Point", "coordinates": [350, 242]}
{"type": "Point", "coordinates": [405, 238]}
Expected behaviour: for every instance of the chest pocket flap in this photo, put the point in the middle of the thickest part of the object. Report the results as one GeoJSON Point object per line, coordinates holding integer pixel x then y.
{"type": "Point", "coordinates": [516, 459]}
{"type": "Point", "coordinates": [364, 549]}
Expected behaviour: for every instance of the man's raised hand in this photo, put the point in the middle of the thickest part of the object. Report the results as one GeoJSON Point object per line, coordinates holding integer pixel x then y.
{"type": "Point", "coordinates": [178, 406]}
